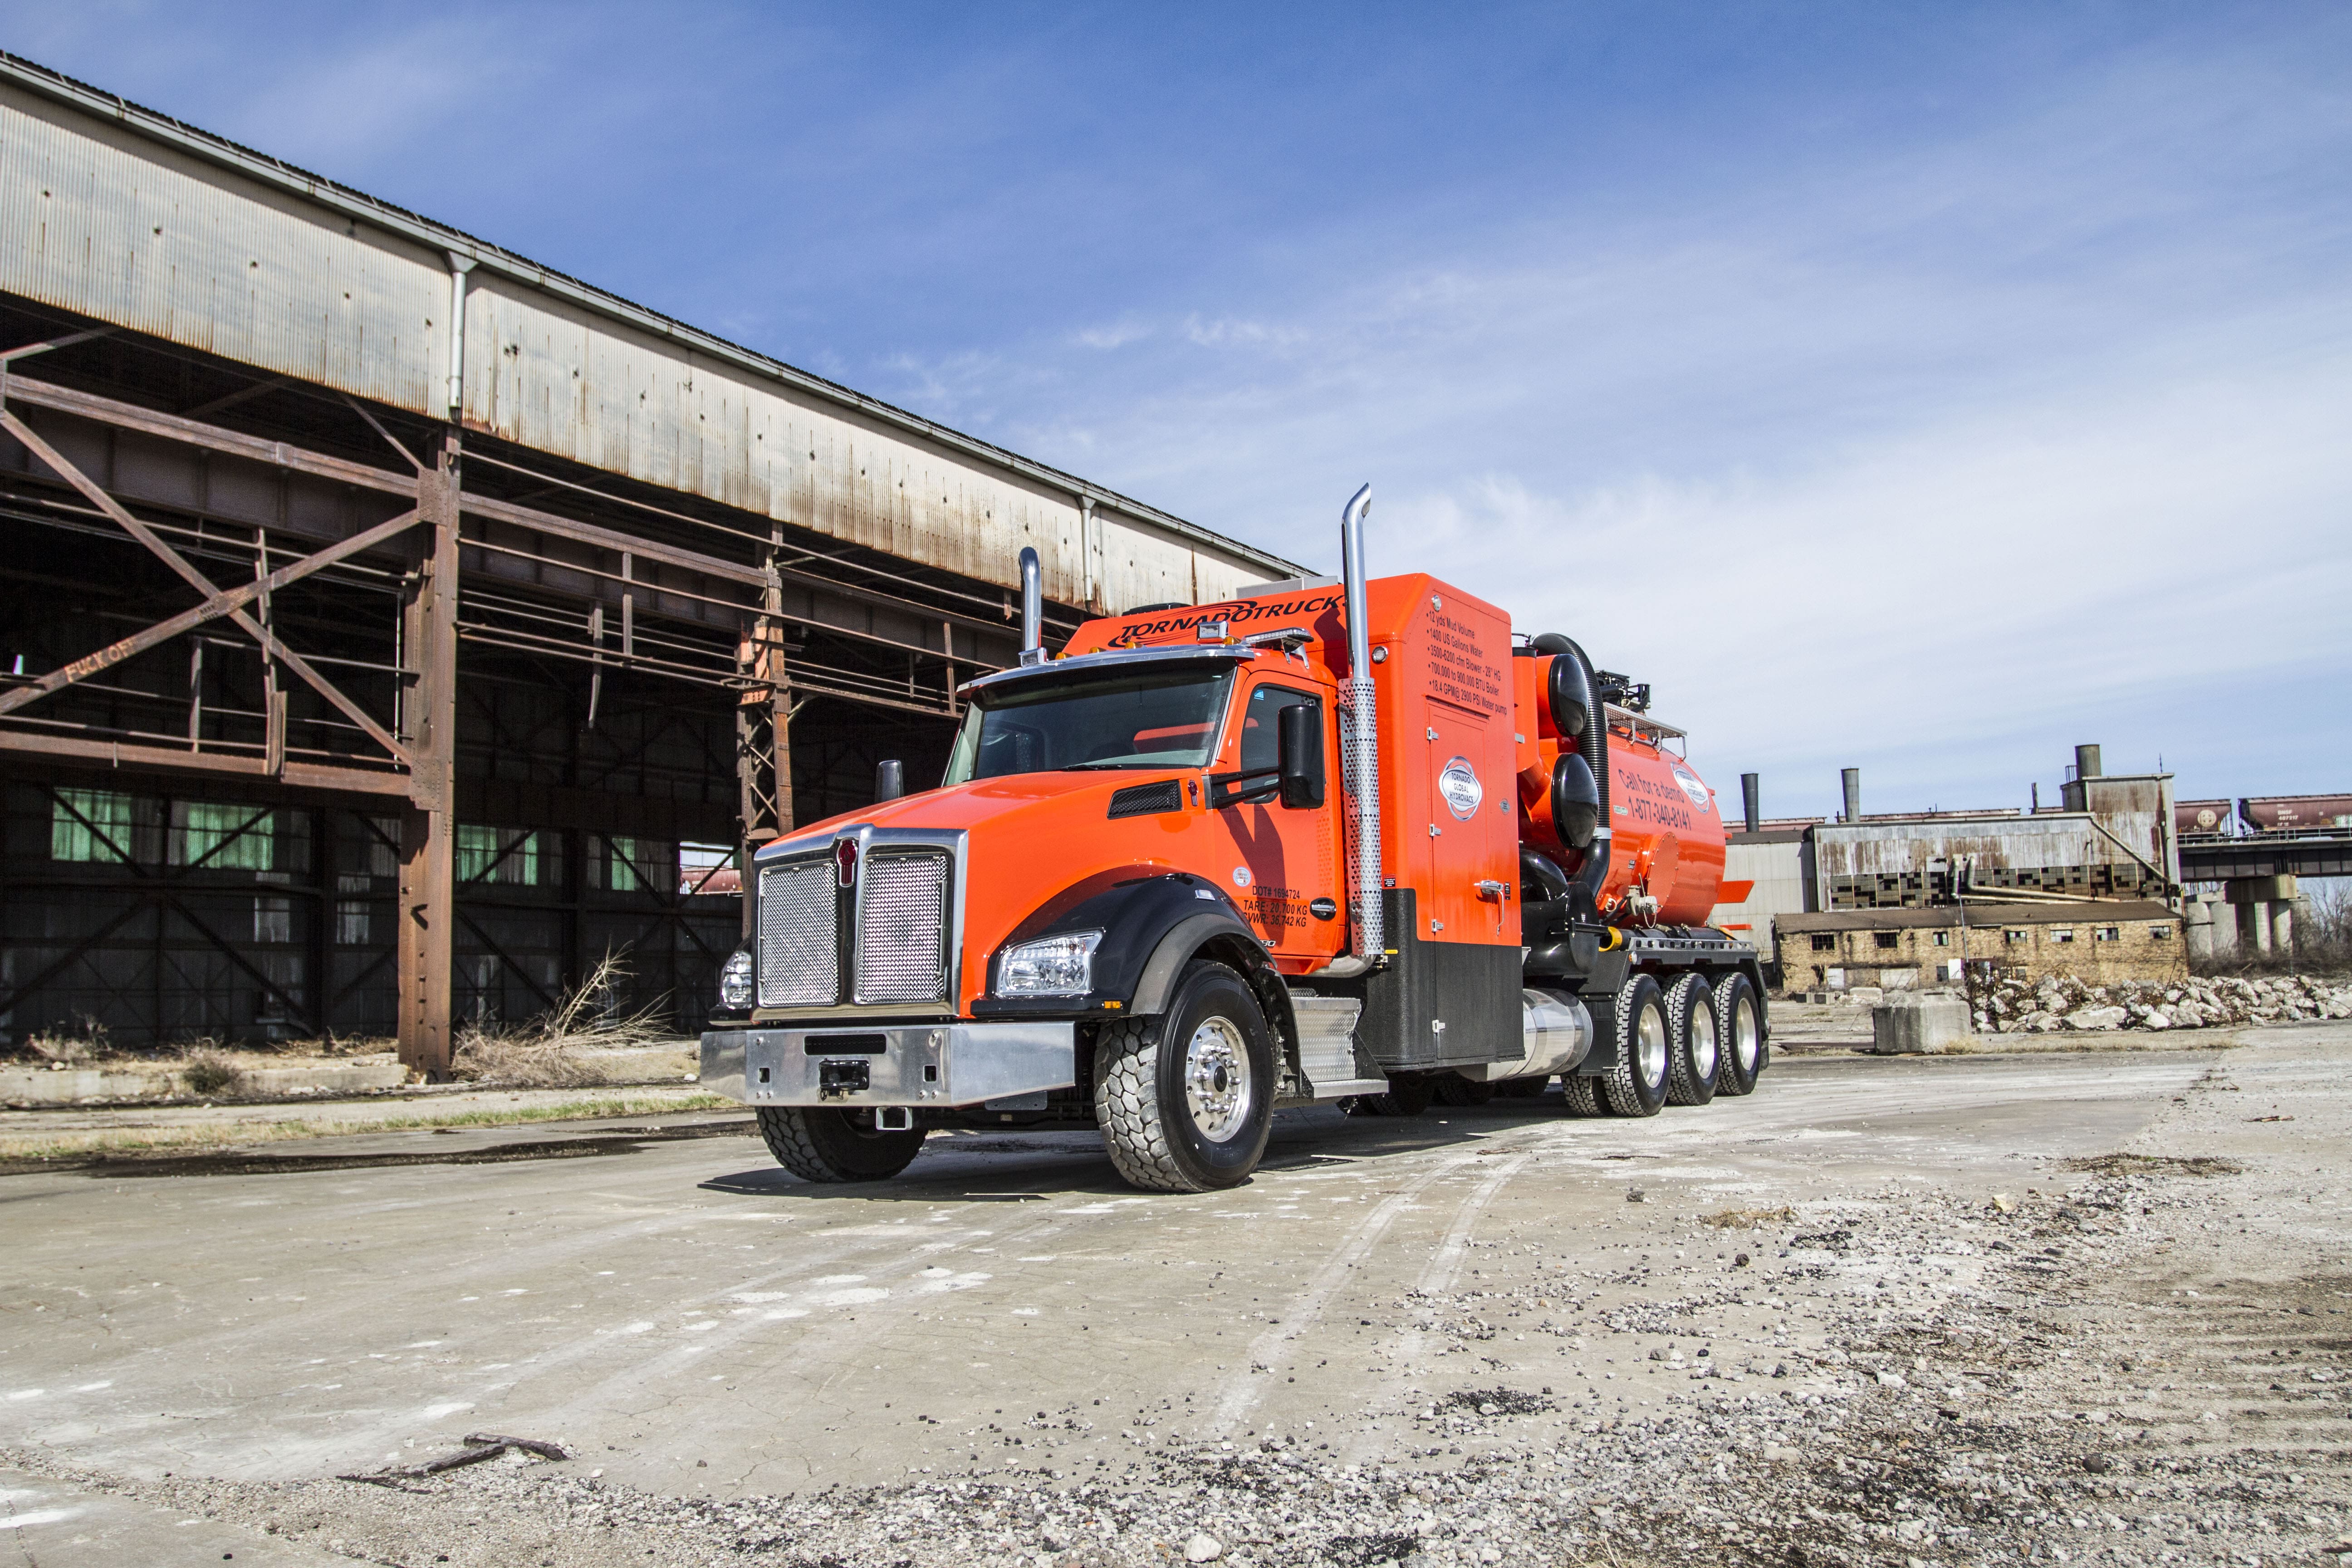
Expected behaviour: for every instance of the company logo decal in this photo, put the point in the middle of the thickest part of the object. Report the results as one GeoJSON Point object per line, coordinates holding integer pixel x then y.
{"type": "Point", "coordinates": [1236, 612]}
{"type": "Point", "coordinates": [1460, 786]}
{"type": "Point", "coordinates": [1692, 787]}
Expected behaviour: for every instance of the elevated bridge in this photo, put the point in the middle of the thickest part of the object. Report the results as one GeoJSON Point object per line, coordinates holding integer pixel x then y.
{"type": "Point", "coordinates": [2319, 852]}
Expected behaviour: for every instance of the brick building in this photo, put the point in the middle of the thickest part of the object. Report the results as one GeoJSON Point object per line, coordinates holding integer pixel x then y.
{"type": "Point", "coordinates": [2097, 941]}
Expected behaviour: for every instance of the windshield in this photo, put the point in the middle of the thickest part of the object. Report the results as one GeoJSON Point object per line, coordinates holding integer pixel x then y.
{"type": "Point", "coordinates": [1131, 719]}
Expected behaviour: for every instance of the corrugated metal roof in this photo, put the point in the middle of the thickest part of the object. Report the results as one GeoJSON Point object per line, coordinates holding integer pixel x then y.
{"type": "Point", "coordinates": [124, 213]}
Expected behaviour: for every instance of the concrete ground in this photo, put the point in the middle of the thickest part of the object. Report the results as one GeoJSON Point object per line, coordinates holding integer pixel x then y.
{"type": "Point", "coordinates": [1867, 1314]}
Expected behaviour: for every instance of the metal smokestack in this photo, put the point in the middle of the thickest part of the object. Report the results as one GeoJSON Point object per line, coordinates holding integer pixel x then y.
{"type": "Point", "coordinates": [1032, 609]}
{"type": "Point", "coordinates": [2086, 761]}
{"type": "Point", "coordinates": [1751, 794]}
{"type": "Point", "coordinates": [1852, 779]}
{"type": "Point", "coordinates": [1359, 755]}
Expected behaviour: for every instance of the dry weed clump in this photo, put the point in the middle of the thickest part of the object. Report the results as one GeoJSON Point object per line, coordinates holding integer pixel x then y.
{"type": "Point", "coordinates": [1748, 1219]}
{"type": "Point", "coordinates": [86, 1041]}
{"type": "Point", "coordinates": [211, 1073]}
{"type": "Point", "coordinates": [546, 1053]}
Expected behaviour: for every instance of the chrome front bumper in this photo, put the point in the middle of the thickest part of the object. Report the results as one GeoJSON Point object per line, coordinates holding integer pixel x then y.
{"type": "Point", "coordinates": [937, 1065]}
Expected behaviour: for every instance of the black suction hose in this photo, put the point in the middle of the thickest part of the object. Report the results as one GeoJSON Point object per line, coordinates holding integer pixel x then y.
{"type": "Point", "coordinates": [1593, 743]}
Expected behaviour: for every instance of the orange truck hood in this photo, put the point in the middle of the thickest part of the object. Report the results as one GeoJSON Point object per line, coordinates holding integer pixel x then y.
{"type": "Point", "coordinates": [1030, 836]}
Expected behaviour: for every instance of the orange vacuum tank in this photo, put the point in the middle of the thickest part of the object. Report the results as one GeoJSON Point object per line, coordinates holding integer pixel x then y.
{"type": "Point", "coordinates": [1667, 838]}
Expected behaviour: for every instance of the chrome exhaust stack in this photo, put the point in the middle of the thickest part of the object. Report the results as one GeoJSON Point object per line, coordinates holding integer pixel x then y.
{"type": "Point", "coordinates": [1360, 752]}
{"type": "Point", "coordinates": [1032, 609]}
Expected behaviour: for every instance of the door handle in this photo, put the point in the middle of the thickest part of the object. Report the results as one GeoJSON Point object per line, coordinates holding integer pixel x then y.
{"type": "Point", "coordinates": [1498, 891]}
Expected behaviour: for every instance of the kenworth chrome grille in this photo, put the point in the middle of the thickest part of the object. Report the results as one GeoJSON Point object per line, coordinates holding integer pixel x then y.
{"type": "Point", "coordinates": [902, 903]}
{"type": "Point", "coordinates": [868, 921]}
{"type": "Point", "coordinates": [800, 961]}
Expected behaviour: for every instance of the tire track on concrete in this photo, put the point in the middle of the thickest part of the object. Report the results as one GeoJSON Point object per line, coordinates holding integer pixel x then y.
{"type": "Point", "coordinates": [820, 1347]}
{"type": "Point", "coordinates": [1444, 1265]}
{"type": "Point", "coordinates": [1273, 1350]}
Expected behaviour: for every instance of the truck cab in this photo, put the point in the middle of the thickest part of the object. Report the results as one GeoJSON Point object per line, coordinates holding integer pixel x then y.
{"type": "Point", "coordinates": [1212, 860]}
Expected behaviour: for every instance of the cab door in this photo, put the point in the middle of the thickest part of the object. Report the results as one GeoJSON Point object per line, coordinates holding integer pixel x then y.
{"type": "Point", "coordinates": [1284, 863]}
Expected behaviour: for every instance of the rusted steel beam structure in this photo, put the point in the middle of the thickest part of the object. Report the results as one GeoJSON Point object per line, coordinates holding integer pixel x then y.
{"type": "Point", "coordinates": [427, 916]}
{"type": "Point", "coordinates": [391, 626]}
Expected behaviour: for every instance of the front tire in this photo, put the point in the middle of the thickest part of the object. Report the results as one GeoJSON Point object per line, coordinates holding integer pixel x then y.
{"type": "Point", "coordinates": [1739, 1025]}
{"type": "Point", "coordinates": [1636, 1083]}
{"type": "Point", "coordinates": [1186, 1099]}
{"type": "Point", "coordinates": [820, 1143]}
{"type": "Point", "coordinates": [1694, 1057]}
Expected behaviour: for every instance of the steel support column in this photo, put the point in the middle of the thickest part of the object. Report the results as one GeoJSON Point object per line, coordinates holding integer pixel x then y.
{"type": "Point", "coordinates": [429, 724]}
{"type": "Point", "coordinates": [764, 716]}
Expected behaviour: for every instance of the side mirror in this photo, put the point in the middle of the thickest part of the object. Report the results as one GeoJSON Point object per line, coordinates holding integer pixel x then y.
{"type": "Point", "coordinates": [1300, 734]}
{"type": "Point", "coordinates": [889, 779]}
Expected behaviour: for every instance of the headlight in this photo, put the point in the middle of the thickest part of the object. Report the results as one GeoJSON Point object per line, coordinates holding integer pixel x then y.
{"type": "Point", "coordinates": [1056, 967]}
{"type": "Point", "coordinates": [735, 981]}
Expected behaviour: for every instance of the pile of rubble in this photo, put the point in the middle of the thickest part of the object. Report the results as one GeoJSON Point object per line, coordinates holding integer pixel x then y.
{"type": "Point", "coordinates": [2062, 1002]}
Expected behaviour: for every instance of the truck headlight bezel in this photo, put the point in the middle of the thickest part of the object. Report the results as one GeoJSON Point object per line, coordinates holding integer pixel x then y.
{"type": "Point", "coordinates": [737, 981]}
{"type": "Point", "coordinates": [1061, 965]}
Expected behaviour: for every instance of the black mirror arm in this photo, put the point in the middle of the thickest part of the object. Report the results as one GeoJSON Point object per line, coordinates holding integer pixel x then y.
{"type": "Point", "coordinates": [1254, 786]}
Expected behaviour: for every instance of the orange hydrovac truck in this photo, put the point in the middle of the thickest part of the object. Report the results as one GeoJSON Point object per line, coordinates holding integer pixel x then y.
{"type": "Point", "coordinates": [1319, 842]}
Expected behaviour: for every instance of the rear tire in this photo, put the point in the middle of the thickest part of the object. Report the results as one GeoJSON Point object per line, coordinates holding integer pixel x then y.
{"type": "Point", "coordinates": [1636, 1083]}
{"type": "Point", "coordinates": [1406, 1096]}
{"type": "Point", "coordinates": [1695, 1061]}
{"type": "Point", "coordinates": [1186, 1099]}
{"type": "Point", "coordinates": [1454, 1090]}
{"type": "Point", "coordinates": [1582, 1094]}
{"type": "Point", "coordinates": [1739, 1027]}
{"type": "Point", "coordinates": [820, 1143]}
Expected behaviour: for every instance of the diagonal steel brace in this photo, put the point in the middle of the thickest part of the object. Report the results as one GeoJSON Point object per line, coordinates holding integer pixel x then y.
{"type": "Point", "coordinates": [147, 536]}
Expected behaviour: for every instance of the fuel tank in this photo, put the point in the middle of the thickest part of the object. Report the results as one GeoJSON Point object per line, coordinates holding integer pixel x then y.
{"type": "Point", "coordinates": [1666, 838]}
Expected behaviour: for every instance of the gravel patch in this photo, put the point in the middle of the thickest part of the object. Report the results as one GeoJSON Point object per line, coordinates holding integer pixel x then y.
{"type": "Point", "coordinates": [1974, 1407]}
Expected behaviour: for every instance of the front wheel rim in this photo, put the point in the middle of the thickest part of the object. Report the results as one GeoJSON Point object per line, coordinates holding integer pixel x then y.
{"type": "Point", "coordinates": [1650, 1050]}
{"type": "Point", "coordinates": [1703, 1045]}
{"type": "Point", "coordinates": [1217, 1080]}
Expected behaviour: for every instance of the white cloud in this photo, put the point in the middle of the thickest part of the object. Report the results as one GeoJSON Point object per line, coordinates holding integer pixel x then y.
{"type": "Point", "coordinates": [1115, 335]}
{"type": "Point", "coordinates": [1934, 461]}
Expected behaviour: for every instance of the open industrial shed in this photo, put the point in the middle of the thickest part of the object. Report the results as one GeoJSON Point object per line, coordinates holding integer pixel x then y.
{"type": "Point", "coordinates": [391, 627]}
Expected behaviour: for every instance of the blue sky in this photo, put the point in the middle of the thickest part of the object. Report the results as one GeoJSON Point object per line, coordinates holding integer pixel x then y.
{"type": "Point", "coordinates": [1920, 388]}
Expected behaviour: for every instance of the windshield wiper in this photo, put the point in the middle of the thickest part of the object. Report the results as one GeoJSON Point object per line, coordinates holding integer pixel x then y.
{"type": "Point", "coordinates": [1114, 762]}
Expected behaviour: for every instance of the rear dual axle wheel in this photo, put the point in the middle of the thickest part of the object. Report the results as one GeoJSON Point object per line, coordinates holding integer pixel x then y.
{"type": "Point", "coordinates": [1680, 1046]}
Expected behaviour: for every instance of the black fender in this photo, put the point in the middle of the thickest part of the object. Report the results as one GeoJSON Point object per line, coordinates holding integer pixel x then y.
{"type": "Point", "coordinates": [1153, 923]}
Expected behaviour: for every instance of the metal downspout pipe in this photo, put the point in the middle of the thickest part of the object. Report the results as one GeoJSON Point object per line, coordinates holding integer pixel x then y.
{"type": "Point", "coordinates": [458, 267]}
